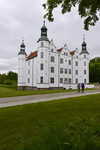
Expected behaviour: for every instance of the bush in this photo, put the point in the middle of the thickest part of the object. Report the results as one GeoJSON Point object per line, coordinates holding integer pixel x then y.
{"type": "Point", "coordinates": [8, 82]}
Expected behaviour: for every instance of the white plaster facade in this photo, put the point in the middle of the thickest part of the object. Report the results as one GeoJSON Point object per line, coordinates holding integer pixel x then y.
{"type": "Point", "coordinates": [49, 67]}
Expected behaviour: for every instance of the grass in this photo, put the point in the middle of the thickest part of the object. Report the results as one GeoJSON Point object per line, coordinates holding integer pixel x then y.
{"type": "Point", "coordinates": [10, 91]}
{"type": "Point", "coordinates": [24, 127]}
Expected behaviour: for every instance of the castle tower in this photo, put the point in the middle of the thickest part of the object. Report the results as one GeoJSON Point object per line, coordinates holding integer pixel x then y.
{"type": "Point", "coordinates": [43, 57]}
{"type": "Point", "coordinates": [22, 66]}
{"type": "Point", "coordinates": [84, 62]}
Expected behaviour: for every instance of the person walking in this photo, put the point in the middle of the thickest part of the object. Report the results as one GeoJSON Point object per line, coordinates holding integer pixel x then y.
{"type": "Point", "coordinates": [78, 87]}
{"type": "Point", "coordinates": [83, 87]}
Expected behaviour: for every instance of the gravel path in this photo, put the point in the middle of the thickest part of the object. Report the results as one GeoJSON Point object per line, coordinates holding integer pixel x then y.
{"type": "Point", "coordinates": [20, 100]}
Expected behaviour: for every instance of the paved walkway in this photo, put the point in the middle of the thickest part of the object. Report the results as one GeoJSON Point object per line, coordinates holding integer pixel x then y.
{"type": "Point", "coordinates": [20, 100]}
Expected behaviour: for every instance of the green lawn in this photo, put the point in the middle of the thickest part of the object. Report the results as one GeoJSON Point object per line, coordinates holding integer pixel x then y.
{"type": "Point", "coordinates": [21, 124]}
{"type": "Point", "coordinates": [11, 91]}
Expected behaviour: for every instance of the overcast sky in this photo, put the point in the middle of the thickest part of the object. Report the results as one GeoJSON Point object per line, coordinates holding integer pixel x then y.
{"type": "Point", "coordinates": [24, 18]}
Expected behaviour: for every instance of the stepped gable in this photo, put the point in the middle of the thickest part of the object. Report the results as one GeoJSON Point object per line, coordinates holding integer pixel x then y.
{"type": "Point", "coordinates": [32, 55]}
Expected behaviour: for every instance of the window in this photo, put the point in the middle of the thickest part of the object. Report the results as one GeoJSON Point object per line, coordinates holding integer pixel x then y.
{"type": "Point", "coordinates": [52, 69]}
{"type": "Point", "coordinates": [51, 80]}
{"type": "Point", "coordinates": [65, 71]}
{"type": "Point", "coordinates": [76, 63]}
{"type": "Point", "coordinates": [84, 80]}
{"type": "Point", "coordinates": [42, 44]}
{"type": "Point", "coordinates": [61, 70]}
{"type": "Point", "coordinates": [28, 71]}
{"type": "Point", "coordinates": [52, 59]}
{"type": "Point", "coordinates": [52, 50]}
{"type": "Point", "coordinates": [28, 80]}
{"type": "Point", "coordinates": [84, 63]}
{"type": "Point", "coordinates": [41, 54]}
{"type": "Point", "coordinates": [69, 80]}
{"type": "Point", "coordinates": [41, 79]}
{"type": "Point", "coordinates": [76, 72]}
{"type": "Point", "coordinates": [69, 62]}
{"type": "Point", "coordinates": [76, 81]}
{"type": "Point", "coordinates": [41, 66]}
{"type": "Point", "coordinates": [61, 60]}
{"type": "Point", "coordinates": [61, 80]}
{"type": "Point", "coordinates": [69, 71]}
{"type": "Point", "coordinates": [28, 63]}
{"type": "Point", "coordinates": [65, 80]}
{"type": "Point", "coordinates": [84, 71]}
{"type": "Point", "coordinates": [84, 56]}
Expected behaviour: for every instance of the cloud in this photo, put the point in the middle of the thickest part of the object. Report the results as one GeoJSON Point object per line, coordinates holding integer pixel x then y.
{"type": "Point", "coordinates": [20, 18]}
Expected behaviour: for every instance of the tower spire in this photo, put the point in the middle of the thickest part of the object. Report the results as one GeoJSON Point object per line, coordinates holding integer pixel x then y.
{"type": "Point", "coordinates": [22, 48]}
{"type": "Point", "coordinates": [83, 38]}
{"type": "Point", "coordinates": [43, 33]}
{"type": "Point", "coordinates": [84, 46]}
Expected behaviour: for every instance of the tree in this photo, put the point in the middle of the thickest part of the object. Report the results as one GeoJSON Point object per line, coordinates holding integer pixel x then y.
{"type": "Point", "coordinates": [88, 9]}
{"type": "Point", "coordinates": [94, 70]}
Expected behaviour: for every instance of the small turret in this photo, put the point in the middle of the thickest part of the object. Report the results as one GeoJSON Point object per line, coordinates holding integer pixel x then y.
{"type": "Point", "coordinates": [84, 47]}
{"type": "Point", "coordinates": [43, 33]}
{"type": "Point", "coordinates": [22, 49]}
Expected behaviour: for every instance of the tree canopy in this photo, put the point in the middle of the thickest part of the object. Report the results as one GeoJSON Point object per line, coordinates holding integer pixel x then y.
{"type": "Point", "coordinates": [87, 9]}
{"type": "Point", "coordinates": [94, 70]}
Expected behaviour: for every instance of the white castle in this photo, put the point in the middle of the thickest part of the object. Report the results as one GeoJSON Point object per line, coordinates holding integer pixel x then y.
{"type": "Point", "coordinates": [49, 67]}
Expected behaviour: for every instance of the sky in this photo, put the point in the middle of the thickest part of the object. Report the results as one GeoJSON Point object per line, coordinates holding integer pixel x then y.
{"type": "Point", "coordinates": [24, 19]}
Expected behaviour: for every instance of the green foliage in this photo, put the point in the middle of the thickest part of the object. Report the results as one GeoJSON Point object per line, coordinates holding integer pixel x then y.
{"type": "Point", "coordinates": [88, 9]}
{"type": "Point", "coordinates": [94, 70]}
{"type": "Point", "coordinates": [73, 120]}
{"type": "Point", "coordinates": [10, 78]}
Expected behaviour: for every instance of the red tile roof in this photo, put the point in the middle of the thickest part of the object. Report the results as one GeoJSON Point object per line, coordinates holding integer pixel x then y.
{"type": "Point", "coordinates": [72, 52]}
{"type": "Point", "coordinates": [32, 55]}
{"type": "Point", "coordinates": [59, 50]}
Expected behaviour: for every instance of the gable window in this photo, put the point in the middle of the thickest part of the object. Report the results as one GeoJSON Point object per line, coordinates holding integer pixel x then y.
{"type": "Point", "coordinates": [42, 44]}
{"type": "Point", "coordinates": [52, 69]}
{"type": "Point", "coordinates": [51, 80]}
{"type": "Point", "coordinates": [69, 62]}
{"type": "Point", "coordinates": [61, 60]}
{"type": "Point", "coordinates": [41, 79]}
{"type": "Point", "coordinates": [41, 66]}
{"type": "Point", "coordinates": [65, 71]}
{"type": "Point", "coordinates": [61, 70]}
{"type": "Point", "coordinates": [41, 54]}
{"type": "Point", "coordinates": [52, 59]}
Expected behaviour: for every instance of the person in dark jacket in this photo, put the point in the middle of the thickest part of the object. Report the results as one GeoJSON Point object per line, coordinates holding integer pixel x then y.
{"type": "Point", "coordinates": [83, 87]}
